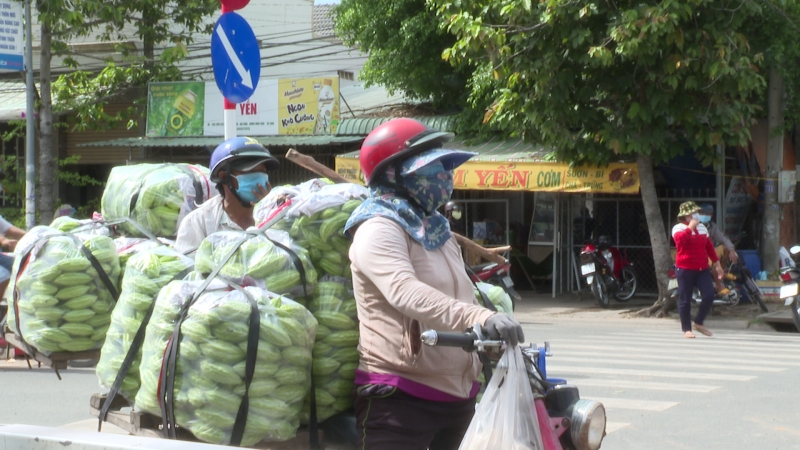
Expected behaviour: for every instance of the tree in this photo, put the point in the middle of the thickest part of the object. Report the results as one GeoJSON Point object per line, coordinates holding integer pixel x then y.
{"type": "Point", "coordinates": [169, 24]}
{"type": "Point", "coordinates": [404, 43]}
{"type": "Point", "coordinates": [602, 80]}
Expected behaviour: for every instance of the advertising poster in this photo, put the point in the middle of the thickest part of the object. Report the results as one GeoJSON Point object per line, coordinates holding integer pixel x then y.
{"type": "Point", "coordinates": [308, 105]}
{"type": "Point", "coordinates": [176, 109]}
{"type": "Point", "coordinates": [302, 106]}
{"type": "Point", "coordinates": [258, 116]}
{"type": "Point", "coordinates": [11, 35]}
{"type": "Point", "coordinates": [617, 178]}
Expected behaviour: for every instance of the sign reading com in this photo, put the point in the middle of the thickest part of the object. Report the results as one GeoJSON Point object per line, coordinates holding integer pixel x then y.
{"type": "Point", "coordinates": [620, 178]}
{"type": "Point", "coordinates": [297, 106]}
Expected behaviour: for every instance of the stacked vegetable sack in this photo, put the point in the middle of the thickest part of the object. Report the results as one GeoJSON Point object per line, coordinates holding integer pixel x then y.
{"type": "Point", "coordinates": [147, 271]}
{"type": "Point", "coordinates": [316, 221]}
{"type": "Point", "coordinates": [63, 304]}
{"type": "Point", "coordinates": [156, 196]}
{"type": "Point", "coordinates": [210, 370]}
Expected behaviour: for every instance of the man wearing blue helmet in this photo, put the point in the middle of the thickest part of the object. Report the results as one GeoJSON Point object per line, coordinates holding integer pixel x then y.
{"type": "Point", "coordinates": [239, 168]}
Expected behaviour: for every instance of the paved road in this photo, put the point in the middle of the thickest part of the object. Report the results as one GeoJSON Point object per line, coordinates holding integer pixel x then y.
{"type": "Point", "coordinates": [737, 390]}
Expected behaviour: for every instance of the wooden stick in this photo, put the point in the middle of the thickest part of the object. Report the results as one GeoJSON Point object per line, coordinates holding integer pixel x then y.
{"type": "Point", "coordinates": [320, 169]}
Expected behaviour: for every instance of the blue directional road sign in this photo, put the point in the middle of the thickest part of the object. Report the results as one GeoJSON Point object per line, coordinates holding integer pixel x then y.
{"type": "Point", "coordinates": [236, 57]}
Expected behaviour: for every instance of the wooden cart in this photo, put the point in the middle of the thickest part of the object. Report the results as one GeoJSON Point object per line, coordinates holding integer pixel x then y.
{"type": "Point", "coordinates": [137, 423]}
{"type": "Point", "coordinates": [56, 360]}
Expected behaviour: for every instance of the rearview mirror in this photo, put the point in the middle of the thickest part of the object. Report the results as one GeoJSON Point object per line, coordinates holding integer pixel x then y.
{"type": "Point", "coordinates": [795, 250]}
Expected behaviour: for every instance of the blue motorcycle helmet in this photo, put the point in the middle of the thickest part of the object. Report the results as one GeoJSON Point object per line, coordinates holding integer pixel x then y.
{"type": "Point", "coordinates": [242, 154]}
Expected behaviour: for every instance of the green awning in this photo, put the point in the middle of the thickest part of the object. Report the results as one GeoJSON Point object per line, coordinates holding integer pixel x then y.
{"type": "Point", "coordinates": [362, 127]}
{"type": "Point", "coordinates": [495, 149]}
{"type": "Point", "coordinates": [213, 141]}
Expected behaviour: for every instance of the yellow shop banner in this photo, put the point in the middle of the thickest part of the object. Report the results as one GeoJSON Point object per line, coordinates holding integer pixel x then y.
{"type": "Point", "coordinates": [308, 105]}
{"type": "Point", "coordinates": [616, 178]}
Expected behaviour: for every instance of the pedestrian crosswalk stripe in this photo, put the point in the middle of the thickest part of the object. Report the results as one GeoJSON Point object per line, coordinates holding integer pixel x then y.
{"type": "Point", "coordinates": [648, 385]}
{"type": "Point", "coordinates": [717, 338]}
{"type": "Point", "coordinates": [700, 342]}
{"type": "Point", "coordinates": [637, 362]}
{"type": "Point", "coordinates": [683, 357]}
{"type": "Point", "coordinates": [557, 370]}
{"type": "Point", "coordinates": [780, 338]}
{"type": "Point", "coordinates": [615, 426]}
{"type": "Point", "coordinates": [623, 346]}
{"type": "Point", "coordinates": [640, 405]}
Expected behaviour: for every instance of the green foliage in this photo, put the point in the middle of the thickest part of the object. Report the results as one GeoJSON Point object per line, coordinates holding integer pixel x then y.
{"type": "Point", "coordinates": [165, 28]}
{"type": "Point", "coordinates": [73, 178]}
{"type": "Point", "coordinates": [404, 42]}
{"type": "Point", "coordinates": [593, 80]}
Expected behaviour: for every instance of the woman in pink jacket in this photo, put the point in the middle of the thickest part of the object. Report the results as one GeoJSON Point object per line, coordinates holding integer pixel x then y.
{"type": "Point", "coordinates": [408, 276]}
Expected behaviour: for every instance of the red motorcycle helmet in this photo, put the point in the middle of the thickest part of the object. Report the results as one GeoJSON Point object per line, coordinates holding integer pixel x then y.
{"type": "Point", "coordinates": [394, 141]}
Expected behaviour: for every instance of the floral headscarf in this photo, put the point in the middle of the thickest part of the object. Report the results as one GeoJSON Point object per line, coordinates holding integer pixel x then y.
{"type": "Point", "coordinates": [427, 190]}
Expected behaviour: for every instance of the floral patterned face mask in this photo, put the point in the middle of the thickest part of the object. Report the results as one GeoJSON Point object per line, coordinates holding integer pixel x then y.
{"type": "Point", "coordinates": [428, 188]}
{"type": "Point", "coordinates": [431, 186]}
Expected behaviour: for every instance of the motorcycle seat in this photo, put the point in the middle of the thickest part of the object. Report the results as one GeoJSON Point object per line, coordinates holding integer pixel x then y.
{"type": "Point", "coordinates": [482, 267]}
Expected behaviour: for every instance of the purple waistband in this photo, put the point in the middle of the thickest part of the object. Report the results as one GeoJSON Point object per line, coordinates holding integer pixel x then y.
{"type": "Point", "coordinates": [411, 387]}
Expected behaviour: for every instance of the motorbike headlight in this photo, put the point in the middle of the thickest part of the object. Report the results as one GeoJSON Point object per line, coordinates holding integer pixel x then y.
{"type": "Point", "coordinates": [587, 424]}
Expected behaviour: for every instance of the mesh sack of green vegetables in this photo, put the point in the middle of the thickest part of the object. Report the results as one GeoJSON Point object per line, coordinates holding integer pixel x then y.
{"type": "Point", "coordinates": [156, 196]}
{"type": "Point", "coordinates": [279, 194]}
{"type": "Point", "coordinates": [268, 260]}
{"type": "Point", "coordinates": [335, 351]}
{"type": "Point", "coordinates": [496, 295]}
{"type": "Point", "coordinates": [209, 372]}
{"type": "Point", "coordinates": [316, 220]}
{"type": "Point", "coordinates": [61, 302]}
{"type": "Point", "coordinates": [146, 273]}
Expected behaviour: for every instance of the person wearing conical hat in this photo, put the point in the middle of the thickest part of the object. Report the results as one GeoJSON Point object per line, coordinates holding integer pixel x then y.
{"type": "Point", "coordinates": [694, 250]}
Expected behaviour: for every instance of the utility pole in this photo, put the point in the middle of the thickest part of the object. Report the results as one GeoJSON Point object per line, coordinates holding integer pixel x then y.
{"type": "Point", "coordinates": [30, 128]}
{"type": "Point", "coordinates": [771, 229]}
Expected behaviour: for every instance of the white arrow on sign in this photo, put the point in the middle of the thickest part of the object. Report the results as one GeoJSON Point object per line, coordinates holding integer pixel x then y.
{"type": "Point", "coordinates": [247, 80]}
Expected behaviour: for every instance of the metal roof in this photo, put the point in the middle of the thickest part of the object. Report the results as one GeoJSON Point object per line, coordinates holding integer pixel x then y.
{"type": "Point", "coordinates": [213, 141]}
{"type": "Point", "coordinates": [495, 149]}
{"type": "Point", "coordinates": [362, 127]}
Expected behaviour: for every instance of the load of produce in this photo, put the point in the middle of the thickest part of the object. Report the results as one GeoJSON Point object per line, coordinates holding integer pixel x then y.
{"type": "Point", "coordinates": [210, 377]}
{"type": "Point", "coordinates": [256, 259]}
{"type": "Point", "coordinates": [316, 221]}
{"type": "Point", "coordinates": [496, 295]}
{"type": "Point", "coordinates": [146, 273]}
{"type": "Point", "coordinates": [64, 302]}
{"type": "Point", "coordinates": [155, 196]}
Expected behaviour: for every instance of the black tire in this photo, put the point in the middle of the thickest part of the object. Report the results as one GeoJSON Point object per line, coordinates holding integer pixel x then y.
{"type": "Point", "coordinates": [628, 284]}
{"type": "Point", "coordinates": [796, 312]}
{"type": "Point", "coordinates": [600, 291]}
{"type": "Point", "coordinates": [754, 293]}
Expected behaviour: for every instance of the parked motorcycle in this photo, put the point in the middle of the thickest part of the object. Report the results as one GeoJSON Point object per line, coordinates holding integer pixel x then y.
{"type": "Point", "coordinates": [566, 422]}
{"type": "Point", "coordinates": [736, 273]}
{"type": "Point", "coordinates": [732, 298]}
{"type": "Point", "coordinates": [790, 294]}
{"type": "Point", "coordinates": [496, 274]}
{"type": "Point", "coordinates": [607, 272]}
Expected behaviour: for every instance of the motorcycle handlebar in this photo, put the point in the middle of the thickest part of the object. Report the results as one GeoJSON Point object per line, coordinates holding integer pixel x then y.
{"type": "Point", "coordinates": [469, 340]}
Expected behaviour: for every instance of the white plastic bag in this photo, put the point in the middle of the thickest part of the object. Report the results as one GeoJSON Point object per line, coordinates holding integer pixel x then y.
{"type": "Point", "coordinates": [506, 416]}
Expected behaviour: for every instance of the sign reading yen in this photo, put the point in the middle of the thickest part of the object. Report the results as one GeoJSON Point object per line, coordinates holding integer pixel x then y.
{"type": "Point", "coordinates": [236, 57]}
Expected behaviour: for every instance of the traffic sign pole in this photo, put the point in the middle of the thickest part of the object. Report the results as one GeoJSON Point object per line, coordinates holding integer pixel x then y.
{"type": "Point", "coordinates": [229, 113]}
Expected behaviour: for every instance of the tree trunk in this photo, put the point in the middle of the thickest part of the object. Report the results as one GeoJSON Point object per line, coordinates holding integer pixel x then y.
{"type": "Point", "coordinates": [658, 238]}
{"type": "Point", "coordinates": [47, 148]}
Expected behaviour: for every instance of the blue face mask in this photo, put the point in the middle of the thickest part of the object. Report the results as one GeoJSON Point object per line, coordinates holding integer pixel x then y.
{"type": "Point", "coordinates": [704, 218]}
{"type": "Point", "coordinates": [248, 182]}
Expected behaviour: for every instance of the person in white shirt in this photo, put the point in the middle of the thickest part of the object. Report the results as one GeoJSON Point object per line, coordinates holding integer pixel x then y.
{"type": "Point", "coordinates": [239, 167]}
